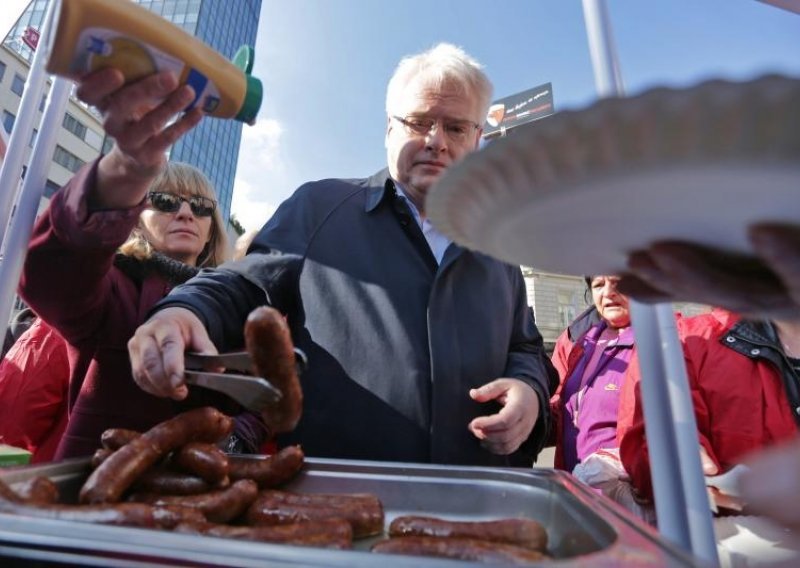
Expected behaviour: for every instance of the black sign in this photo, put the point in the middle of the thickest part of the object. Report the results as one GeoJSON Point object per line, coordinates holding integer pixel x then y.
{"type": "Point", "coordinates": [506, 113]}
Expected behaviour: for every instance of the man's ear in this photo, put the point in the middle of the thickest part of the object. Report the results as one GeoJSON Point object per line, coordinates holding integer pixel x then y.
{"type": "Point", "coordinates": [478, 134]}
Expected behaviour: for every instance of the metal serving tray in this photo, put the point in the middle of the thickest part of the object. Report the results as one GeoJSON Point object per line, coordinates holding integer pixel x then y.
{"type": "Point", "coordinates": [583, 527]}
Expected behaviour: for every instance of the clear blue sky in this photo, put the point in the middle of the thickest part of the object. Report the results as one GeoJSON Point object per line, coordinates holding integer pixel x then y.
{"type": "Point", "coordinates": [325, 65]}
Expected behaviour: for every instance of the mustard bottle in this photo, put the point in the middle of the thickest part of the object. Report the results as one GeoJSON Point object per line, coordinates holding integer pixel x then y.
{"type": "Point", "coordinates": [92, 34]}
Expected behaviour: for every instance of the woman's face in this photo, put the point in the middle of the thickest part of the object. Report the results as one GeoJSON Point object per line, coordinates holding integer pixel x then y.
{"type": "Point", "coordinates": [611, 305]}
{"type": "Point", "coordinates": [180, 235]}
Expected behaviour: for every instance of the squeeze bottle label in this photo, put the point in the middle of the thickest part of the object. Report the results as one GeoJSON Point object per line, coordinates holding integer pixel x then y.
{"type": "Point", "coordinates": [100, 47]}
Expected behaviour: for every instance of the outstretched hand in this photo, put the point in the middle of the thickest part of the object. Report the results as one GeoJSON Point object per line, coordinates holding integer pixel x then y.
{"type": "Point", "coordinates": [503, 433]}
{"type": "Point", "coordinates": [768, 287]}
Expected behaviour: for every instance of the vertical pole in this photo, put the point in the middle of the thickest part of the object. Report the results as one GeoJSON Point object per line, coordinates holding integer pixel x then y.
{"type": "Point", "coordinates": [681, 499]}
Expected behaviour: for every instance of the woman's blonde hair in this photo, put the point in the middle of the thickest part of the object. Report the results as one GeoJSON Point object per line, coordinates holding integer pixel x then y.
{"type": "Point", "coordinates": [185, 180]}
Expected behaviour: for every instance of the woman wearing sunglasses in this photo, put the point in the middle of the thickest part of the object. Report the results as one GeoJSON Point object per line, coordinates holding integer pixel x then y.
{"type": "Point", "coordinates": [93, 272]}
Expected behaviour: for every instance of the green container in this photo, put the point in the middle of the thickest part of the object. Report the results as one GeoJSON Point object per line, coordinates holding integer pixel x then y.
{"type": "Point", "coordinates": [9, 455]}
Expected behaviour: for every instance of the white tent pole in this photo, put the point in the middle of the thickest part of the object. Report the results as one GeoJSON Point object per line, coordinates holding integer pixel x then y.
{"type": "Point", "coordinates": [11, 170]}
{"type": "Point", "coordinates": [671, 429]}
{"type": "Point", "coordinates": [15, 243]}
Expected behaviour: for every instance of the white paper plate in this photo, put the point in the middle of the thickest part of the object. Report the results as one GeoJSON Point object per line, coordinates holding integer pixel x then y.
{"type": "Point", "coordinates": [576, 192]}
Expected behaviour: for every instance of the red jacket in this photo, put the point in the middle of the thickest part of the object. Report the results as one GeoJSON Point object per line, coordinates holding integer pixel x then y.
{"type": "Point", "coordinates": [737, 390]}
{"type": "Point", "coordinates": [34, 376]}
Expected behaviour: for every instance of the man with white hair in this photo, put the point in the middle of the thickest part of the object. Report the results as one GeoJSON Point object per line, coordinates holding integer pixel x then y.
{"type": "Point", "coordinates": [419, 350]}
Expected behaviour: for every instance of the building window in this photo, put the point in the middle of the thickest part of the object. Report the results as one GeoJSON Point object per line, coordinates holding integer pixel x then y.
{"type": "Point", "coordinates": [18, 84]}
{"type": "Point", "coordinates": [34, 134]}
{"type": "Point", "coordinates": [8, 121]}
{"type": "Point", "coordinates": [2, 70]}
{"type": "Point", "coordinates": [108, 143]}
{"type": "Point", "coordinates": [67, 159]}
{"type": "Point", "coordinates": [50, 188]}
{"type": "Point", "coordinates": [74, 125]}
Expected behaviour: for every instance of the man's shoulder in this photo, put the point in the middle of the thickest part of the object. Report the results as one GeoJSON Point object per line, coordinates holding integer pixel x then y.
{"type": "Point", "coordinates": [333, 188]}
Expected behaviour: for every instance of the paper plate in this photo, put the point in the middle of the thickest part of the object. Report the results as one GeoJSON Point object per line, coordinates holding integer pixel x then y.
{"type": "Point", "coordinates": [575, 193]}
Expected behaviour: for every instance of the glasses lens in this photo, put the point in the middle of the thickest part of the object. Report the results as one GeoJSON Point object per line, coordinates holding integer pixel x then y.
{"type": "Point", "coordinates": [165, 202]}
{"type": "Point", "coordinates": [201, 206]}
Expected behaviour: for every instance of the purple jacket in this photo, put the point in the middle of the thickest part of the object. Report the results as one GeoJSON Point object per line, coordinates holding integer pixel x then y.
{"type": "Point", "coordinates": [70, 280]}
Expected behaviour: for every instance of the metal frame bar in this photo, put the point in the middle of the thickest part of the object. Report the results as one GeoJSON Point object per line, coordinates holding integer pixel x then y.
{"type": "Point", "coordinates": [684, 515]}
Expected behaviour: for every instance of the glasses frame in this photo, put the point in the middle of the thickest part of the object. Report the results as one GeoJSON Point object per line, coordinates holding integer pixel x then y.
{"type": "Point", "coordinates": [199, 205]}
{"type": "Point", "coordinates": [416, 129]}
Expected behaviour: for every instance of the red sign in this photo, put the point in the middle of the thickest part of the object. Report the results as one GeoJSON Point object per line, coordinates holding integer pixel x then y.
{"type": "Point", "coordinates": [31, 37]}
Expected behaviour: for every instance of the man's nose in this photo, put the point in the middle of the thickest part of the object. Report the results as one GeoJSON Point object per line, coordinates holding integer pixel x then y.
{"type": "Point", "coordinates": [436, 139]}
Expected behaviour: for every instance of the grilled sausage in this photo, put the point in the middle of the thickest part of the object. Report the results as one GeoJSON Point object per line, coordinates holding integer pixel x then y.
{"type": "Point", "coordinates": [163, 482]}
{"type": "Point", "coordinates": [364, 512]}
{"type": "Point", "coordinates": [115, 438]}
{"type": "Point", "coordinates": [115, 475]}
{"type": "Point", "coordinates": [217, 506]}
{"type": "Point", "coordinates": [202, 459]}
{"type": "Point", "coordinates": [331, 533]}
{"type": "Point", "coordinates": [100, 455]}
{"type": "Point", "coordinates": [129, 514]}
{"type": "Point", "coordinates": [38, 490]}
{"type": "Point", "coordinates": [270, 345]}
{"type": "Point", "coordinates": [268, 472]}
{"type": "Point", "coordinates": [521, 532]}
{"type": "Point", "coordinates": [459, 548]}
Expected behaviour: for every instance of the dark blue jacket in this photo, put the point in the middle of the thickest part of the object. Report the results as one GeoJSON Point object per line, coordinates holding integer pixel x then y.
{"type": "Point", "coordinates": [394, 341]}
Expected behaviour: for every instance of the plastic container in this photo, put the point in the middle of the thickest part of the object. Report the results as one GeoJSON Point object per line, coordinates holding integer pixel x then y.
{"type": "Point", "coordinates": [10, 455]}
{"type": "Point", "coordinates": [92, 34]}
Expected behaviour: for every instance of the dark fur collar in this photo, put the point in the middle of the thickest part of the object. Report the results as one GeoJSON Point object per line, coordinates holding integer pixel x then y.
{"type": "Point", "coordinates": [173, 271]}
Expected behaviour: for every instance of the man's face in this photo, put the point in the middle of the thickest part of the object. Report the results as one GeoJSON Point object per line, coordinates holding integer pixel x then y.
{"type": "Point", "coordinates": [416, 160]}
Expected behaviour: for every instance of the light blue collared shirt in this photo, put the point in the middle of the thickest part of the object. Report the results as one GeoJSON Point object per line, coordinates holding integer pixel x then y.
{"type": "Point", "coordinates": [436, 240]}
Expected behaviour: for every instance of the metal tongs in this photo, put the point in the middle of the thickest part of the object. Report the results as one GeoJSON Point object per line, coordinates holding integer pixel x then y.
{"type": "Point", "coordinates": [254, 393]}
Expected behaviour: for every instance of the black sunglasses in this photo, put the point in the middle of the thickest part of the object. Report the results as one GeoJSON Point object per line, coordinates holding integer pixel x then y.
{"type": "Point", "coordinates": [169, 203]}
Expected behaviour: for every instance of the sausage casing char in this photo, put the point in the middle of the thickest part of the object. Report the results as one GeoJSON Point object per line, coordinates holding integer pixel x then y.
{"type": "Point", "coordinates": [472, 549]}
{"type": "Point", "coordinates": [268, 472]}
{"type": "Point", "coordinates": [269, 343]}
{"type": "Point", "coordinates": [117, 473]}
{"type": "Point", "coordinates": [363, 511]}
{"type": "Point", "coordinates": [331, 533]}
{"type": "Point", "coordinates": [202, 459]}
{"type": "Point", "coordinates": [520, 532]}
{"type": "Point", "coordinates": [115, 438]}
{"type": "Point", "coordinates": [164, 482]}
{"type": "Point", "coordinates": [217, 506]}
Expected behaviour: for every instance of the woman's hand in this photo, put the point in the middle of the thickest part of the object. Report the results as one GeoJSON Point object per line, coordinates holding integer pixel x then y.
{"type": "Point", "coordinates": [137, 117]}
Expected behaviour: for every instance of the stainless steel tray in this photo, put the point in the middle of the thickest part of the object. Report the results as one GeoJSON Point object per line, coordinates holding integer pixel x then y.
{"type": "Point", "coordinates": [583, 527]}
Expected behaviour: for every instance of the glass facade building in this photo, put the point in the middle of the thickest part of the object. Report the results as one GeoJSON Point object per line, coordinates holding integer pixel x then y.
{"type": "Point", "coordinates": [225, 25]}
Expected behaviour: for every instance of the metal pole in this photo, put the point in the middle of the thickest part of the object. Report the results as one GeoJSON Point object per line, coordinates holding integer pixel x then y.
{"type": "Point", "coordinates": [15, 243]}
{"type": "Point", "coordinates": [11, 170]}
{"type": "Point", "coordinates": [684, 515]}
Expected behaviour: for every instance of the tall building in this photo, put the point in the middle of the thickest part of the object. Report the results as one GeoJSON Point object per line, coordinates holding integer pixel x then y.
{"type": "Point", "coordinates": [213, 146]}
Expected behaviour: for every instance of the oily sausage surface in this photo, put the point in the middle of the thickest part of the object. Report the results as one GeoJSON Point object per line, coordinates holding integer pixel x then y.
{"type": "Point", "coordinates": [459, 548]}
{"type": "Point", "coordinates": [268, 472]}
{"type": "Point", "coordinates": [202, 459]}
{"type": "Point", "coordinates": [332, 533]}
{"type": "Point", "coordinates": [269, 343]}
{"type": "Point", "coordinates": [117, 473]}
{"type": "Point", "coordinates": [217, 506]}
{"type": "Point", "coordinates": [521, 532]}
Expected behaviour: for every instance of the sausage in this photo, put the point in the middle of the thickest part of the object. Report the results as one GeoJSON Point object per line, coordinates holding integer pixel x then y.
{"type": "Point", "coordinates": [217, 506]}
{"type": "Point", "coordinates": [271, 471]}
{"type": "Point", "coordinates": [129, 514]}
{"type": "Point", "coordinates": [363, 511]}
{"type": "Point", "coordinates": [115, 438]}
{"type": "Point", "coordinates": [165, 482]}
{"type": "Point", "coordinates": [115, 475]}
{"type": "Point", "coordinates": [37, 490]}
{"type": "Point", "coordinates": [331, 533]}
{"type": "Point", "coordinates": [202, 459]}
{"type": "Point", "coordinates": [269, 343]}
{"type": "Point", "coordinates": [100, 455]}
{"type": "Point", "coordinates": [521, 532]}
{"type": "Point", "coordinates": [460, 548]}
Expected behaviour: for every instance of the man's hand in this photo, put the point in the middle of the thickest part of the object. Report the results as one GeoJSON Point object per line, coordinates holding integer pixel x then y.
{"type": "Point", "coordinates": [137, 117]}
{"type": "Point", "coordinates": [503, 433]}
{"type": "Point", "coordinates": [768, 287]}
{"type": "Point", "coordinates": [157, 349]}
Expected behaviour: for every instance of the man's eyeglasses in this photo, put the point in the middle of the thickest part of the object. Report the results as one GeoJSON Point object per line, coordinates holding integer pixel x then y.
{"type": "Point", "coordinates": [455, 130]}
{"type": "Point", "coordinates": [169, 203]}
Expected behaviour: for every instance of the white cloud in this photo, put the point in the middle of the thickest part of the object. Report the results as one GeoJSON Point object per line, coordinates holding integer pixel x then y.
{"type": "Point", "coordinates": [259, 170]}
